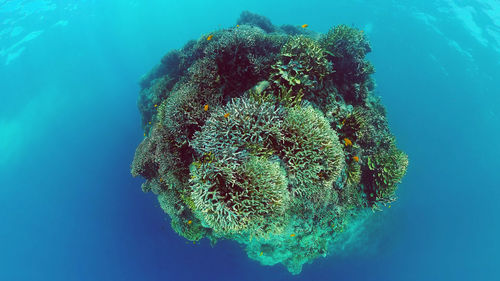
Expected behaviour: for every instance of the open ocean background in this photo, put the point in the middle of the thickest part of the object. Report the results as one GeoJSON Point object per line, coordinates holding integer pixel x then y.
{"type": "Point", "coordinates": [69, 126]}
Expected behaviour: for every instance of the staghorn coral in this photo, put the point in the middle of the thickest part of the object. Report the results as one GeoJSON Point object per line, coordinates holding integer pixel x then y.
{"type": "Point", "coordinates": [268, 138]}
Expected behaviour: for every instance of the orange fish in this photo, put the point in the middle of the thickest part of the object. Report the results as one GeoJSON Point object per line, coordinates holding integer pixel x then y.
{"type": "Point", "coordinates": [209, 37]}
{"type": "Point", "coordinates": [205, 107]}
{"type": "Point", "coordinates": [347, 142]}
{"type": "Point", "coordinates": [356, 158]}
{"type": "Point", "coordinates": [292, 235]}
{"type": "Point", "coordinates": [226, 115]}
{"type": "Point", "coordinates": [261, 253]}
{"type": "Point", "coordinates": [304, 25]}
{"type": "Point", "coordinates": [190, 221]}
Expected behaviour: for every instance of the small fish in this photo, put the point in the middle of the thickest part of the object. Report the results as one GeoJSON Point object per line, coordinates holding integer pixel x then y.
{"type": "Point", "coordinates": [261, 253]}
{"type": "Point", "coordinates": [237, 25]}
{"type": "Point", "coordinates": [150, 123]}
{"type": "Point", "coordinates": [161, 179]}
{"type": "Point", "coordinates": [205, 107]}
{"type": "Point", "coordinates": [356, 158]}
{"type": "Point", "coordinates": [292, 235]}
{"type": "Point", "coordinates": [226, 115]}
{"type": "Point", "coordinates": [144, 134]}
{"type": "Point", "coordinates": [304, 25]}
{"type": "Point", "coordinates": [209, 37]}
{"type": "Point", "coordinates": [190, 221]}
{"type": "Point", "coordinates": [156, 105]}
{"type": "Point", "coordinates": [389, 206]}
{"type": "Point", "coordinates": [347, 142]}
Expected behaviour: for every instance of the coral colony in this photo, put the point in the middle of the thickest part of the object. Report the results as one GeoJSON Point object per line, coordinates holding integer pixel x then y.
{"type": "Point", "coordinates": [270, 136]}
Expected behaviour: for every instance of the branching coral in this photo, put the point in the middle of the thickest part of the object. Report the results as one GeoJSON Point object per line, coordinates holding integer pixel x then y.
{"type": "Point", "coordinates": [346, 48]}
{"type": "Point", "coordinates": [312, 153]}
{"type": "Point", "coordinates": [384, 170]}
{"type": "Point", "coordinates": [233, 169]}
{"type": "Point", "coordinates": [301, 67]}
{"type": "Point", "coordinates": [271, 139]}
{"type": "Point", "coordinates": [248, 196]}
{"type": "Point", "coordinates": [243, 124]}
{"type": "Point", "coordinates": [243, 56]}
{"type": "Point", "coordinates": [367, 128]}
{"type": "Point", "coordinates": [309, 54]}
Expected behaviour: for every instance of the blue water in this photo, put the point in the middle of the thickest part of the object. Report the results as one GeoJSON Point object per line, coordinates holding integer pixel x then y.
{"type": "Point", "coordinates": [69, 125]}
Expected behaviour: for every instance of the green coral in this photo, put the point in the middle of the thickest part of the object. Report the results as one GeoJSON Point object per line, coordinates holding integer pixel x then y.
{"type": "Point", "coordinates": [312, 153]}
{"type": "Point", "coordinates": [300, 69]}
{"type": "Point", "coordinates": [183, 220]}
{"type": "Point", "coordinates": [243, 56]}
{"type": "Point", "coordinates": [367, 128]}
{"type": "Point", "coordinates": [309, 54]}
{"type": "Point", "coordinates": [353, 173]}
{"type": "Point", "coordinates": [385, 171]}
{"type": "Point", "coordinates": [346, 47]}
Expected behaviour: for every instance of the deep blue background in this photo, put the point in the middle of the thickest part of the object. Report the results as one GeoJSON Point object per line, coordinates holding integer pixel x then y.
{"type": "Point", "coordinates": [69, 125]}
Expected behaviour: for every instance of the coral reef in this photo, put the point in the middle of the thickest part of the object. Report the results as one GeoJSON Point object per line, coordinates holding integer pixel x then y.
{"type": "Point", "coordinates": [346, 47]}
{"type": "Point", "coordinates": [269, 136]}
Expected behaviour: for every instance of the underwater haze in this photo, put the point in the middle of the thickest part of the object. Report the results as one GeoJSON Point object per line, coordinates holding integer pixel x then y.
{"type": "Point", "coordinates": [69, 127]}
